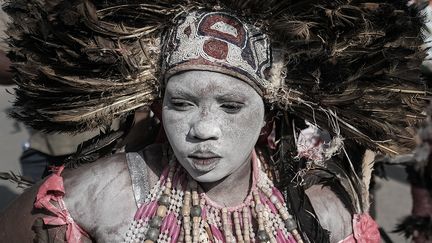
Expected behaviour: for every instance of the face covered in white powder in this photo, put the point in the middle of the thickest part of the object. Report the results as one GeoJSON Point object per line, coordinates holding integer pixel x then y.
{"type": "Point", "coordinates": [212, 122]}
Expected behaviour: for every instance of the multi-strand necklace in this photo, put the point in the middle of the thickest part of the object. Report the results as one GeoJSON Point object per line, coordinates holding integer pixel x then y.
{"type": "Point", "coordinates": [177, 210]}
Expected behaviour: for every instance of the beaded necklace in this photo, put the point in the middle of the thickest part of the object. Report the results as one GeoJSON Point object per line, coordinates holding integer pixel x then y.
{"type": "Point", "coordinates": [177, 210]}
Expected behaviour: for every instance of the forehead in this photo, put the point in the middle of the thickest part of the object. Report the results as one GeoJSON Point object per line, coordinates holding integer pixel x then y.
{"type": "Point", "coordinates": [206, 83]}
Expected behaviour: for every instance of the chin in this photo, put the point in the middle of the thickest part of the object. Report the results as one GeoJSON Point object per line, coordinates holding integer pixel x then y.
{"type": "Point", "coordinates": [207, 177]}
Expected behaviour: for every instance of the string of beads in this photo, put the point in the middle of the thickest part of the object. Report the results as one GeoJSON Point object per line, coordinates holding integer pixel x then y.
{"type": "Point", "coordinates": [177, 210]}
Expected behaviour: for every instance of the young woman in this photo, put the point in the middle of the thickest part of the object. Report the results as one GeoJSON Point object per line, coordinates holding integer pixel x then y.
{"type": "Point", "coordinates": [221, 168]}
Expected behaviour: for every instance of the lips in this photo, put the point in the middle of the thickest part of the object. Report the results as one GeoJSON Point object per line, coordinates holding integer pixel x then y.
{"type": "Point", "coordinates": [204, 161]}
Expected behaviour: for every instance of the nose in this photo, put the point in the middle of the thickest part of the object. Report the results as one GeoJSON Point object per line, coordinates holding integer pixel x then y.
{"type": "Point", "coordinates": [205, 128]}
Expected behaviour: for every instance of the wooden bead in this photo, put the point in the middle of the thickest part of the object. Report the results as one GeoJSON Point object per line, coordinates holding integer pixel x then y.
{"type": "Point", "coordinates": [237, 227]}
{"type": "Point", "coordinates": [284, 216]}
{"type": "Point", "coordinates": [188, 239]}
{"type": "Point", "coordinates": [162, 211]}
{"type": "Point", "coordinates": [297, 236]}
{"type": "Point", "coordinates": [186, 220]}
{"type": "Point", "coordinates": [186, 211]}
{"type": "Point", "coordinates": [246, 226]}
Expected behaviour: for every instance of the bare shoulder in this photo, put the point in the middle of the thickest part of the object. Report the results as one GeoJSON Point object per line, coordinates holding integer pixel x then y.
{"type": "Point", "coordinates": [98, 195]}
{"type": "Point", "coordinates": [331, 212]}
{"type": "Point", "coordinates": [100, 198]}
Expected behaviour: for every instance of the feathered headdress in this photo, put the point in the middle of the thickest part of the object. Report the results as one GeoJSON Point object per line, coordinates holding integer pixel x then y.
{"type": "Point", "coordinates": [351, 67]}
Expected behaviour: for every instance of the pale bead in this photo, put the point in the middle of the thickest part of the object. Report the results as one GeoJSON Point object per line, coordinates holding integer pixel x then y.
{"type": "Point", "coordinates": [186, 220]}
{"type": "Point", "coordinates": [274, 199]}
{"type": "Point", "coordinates": [284, 215]}
{"type": "Point", "coordinates": [188, 238]}
{"type": "Point", "coordinates": [168, 184]}
{"type": "Point", "coordinates": [162, 211]}
{"type": "Point", "coordinates": [186, 211]}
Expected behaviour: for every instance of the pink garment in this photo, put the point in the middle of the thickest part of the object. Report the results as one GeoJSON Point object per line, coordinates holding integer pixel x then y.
{"type": "Point", "coordinates": [52, 190]}
{"type": "Point", "coordinates": [365, 230]}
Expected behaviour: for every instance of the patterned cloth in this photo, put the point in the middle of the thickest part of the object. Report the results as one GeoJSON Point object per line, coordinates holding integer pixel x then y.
{"type": "Point", "coordinates": [219, 42]}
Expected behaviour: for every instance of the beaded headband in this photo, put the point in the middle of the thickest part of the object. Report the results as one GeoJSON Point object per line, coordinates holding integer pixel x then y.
{"type": "Point", "coordinates": [219, 42]}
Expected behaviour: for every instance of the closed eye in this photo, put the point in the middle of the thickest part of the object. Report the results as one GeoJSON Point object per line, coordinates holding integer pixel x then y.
{"type": "Point", "coordinates": [232, 107]}
{"type": "Point", "coordinates": [181, 105]}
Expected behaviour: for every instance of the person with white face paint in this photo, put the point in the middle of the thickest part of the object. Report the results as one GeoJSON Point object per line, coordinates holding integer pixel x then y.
{"type": "Point", "coordinates": [205, 116]}
{"type": "Point", "coordinates": [223, 166]}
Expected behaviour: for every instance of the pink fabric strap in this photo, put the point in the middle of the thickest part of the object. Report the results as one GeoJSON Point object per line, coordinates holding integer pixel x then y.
{"type": "Point", "coordinates": [53, 190]}
{"type": "Point", "coordinates": [365, 230]}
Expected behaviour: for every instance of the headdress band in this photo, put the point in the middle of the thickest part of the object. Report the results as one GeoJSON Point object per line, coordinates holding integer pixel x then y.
{"type": "Point", "coordinates": [219, 42]}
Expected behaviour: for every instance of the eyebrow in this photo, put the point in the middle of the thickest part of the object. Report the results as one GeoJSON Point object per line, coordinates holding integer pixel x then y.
{"type": "Point", "coordinates": [182, 94]}
{"type": "Point", "coordinates": [230, 96]}
{"type": "Point", "coordinates": [179, 93]}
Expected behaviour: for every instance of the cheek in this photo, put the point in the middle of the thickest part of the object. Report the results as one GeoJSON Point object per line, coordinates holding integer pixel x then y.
{"type": "Point", "coordinates": [175, 125]}
{"type": "Point", "coordinates": [244, 129]}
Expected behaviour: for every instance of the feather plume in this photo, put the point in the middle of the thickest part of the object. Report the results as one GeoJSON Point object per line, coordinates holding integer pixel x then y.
{"type": "Point", "coordinates": [367, 169]}
{"type": "Point", "coordinates": [81, 63]}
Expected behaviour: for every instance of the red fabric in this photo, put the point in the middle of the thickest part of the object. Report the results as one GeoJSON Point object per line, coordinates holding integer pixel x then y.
{"type": "Point", "coordinates": [365, 230]}
{"type": "Point", "coordinates": [52, 190]}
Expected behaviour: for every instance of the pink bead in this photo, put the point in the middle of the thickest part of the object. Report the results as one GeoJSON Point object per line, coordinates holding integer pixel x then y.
{"type": "Point", "coordinates": [267, 202]}
{"type": "Point", "coordinates": [272, 207]}
{"type": "Point", "coordinates": [140, 211]}
{"type": "Point", "coordinates": [204, 213]}
{"type": "Point", "coordinates": [167, 222]}
{"type": "Point", "coordinates": [291, 239]}
{"type": "Point", "coordinates": [217, 233]}
{"type": "Point", "coordinates": [150, 210]}
{"type": "Point", "coordinates": [277, 193]}
{"type": "Point", "coordinates": [174, 233]}
{"type": "Point", "coordinates": [281, 238]}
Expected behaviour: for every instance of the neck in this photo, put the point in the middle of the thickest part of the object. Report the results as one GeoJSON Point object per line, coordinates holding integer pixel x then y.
{"type": "Point", "coordinates": [233, 189]}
